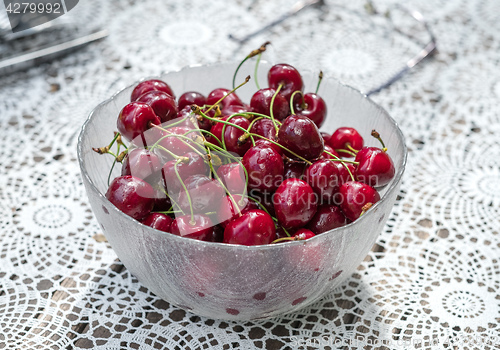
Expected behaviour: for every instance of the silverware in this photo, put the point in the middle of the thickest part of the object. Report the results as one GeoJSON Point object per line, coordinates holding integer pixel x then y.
{"type": "Point", "coordinates": [296, 8]}
{"type": "Point", "coordinates": [44, 54]}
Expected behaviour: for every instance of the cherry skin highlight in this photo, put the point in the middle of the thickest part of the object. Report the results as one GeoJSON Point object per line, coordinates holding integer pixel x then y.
{"type": "Point", "coordinates": [254, 227]}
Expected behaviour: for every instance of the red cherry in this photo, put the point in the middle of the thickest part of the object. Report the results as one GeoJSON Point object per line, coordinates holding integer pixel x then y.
{"type": "Point", "coordinates": [264, 127]}
{"type": "Point", "coordinates": [150, 85]}
{"type": "Point", "coordinates": [261, 103]}
{"type": "Point", "coordinates": [175, 144]}
{"type": "Point", "coordinates": [300, 135]}
{"type": "Point", "coordinates": [295, 170]}
{"type": "Point", "coordinates": [162, 104]}
{"type": "Point", "coordinates": [313, 107]}
{"type": "Point", "coordinates": [201, 228]}
{"type": "Point", "coordinates": [327, 218]}
{"type": "Point", "coordinates": [191, 98]}
{"type": "Point", "coordinates": [134, 120]}
{"type": "Point", "coordinates": [264, 200]}
{"type": "Point", "coordinates": [255, 227]}
{"type": "Point", "coordinates": [227, 210]}
{"type": "Point", "coordinates": [269, 144]}
{"type": "Point", "coordinates": [342, 137]}
{"type": "Point", "coordinates": [233, 177]}
{"type": "Point", "coordinates": [201, 123]}
{"type": "Point", "coordinates": [375, 167]}
{"type": "Point", "coordinates": [233, 109]}
{"type": "Point", "coordinates": [286, 75]}
{"type": "Point", "coordinates": [217, 235]}
{"type": "Point", "coordinates": [206, 194]}
{"type": "Point", "coordinates": [162, 201]}
{"type": "Point", "coordinates": [344, 175]}
{"type": "Point", "coordinates": [141, 163]}
{"type": "Point", "coordinates": [326, 137]}
{"type": "Point", "coordinates": [158, 221]}
{"type": "Point", "coordinates": [232, 135]}
{"type": "Point", "coordinates": [303, 234]}
{"type": "Point", "coordinates": [294, 203]}
{"type": "Point", "coordinates": [323, 177]}
{"type": "Point", "coordinates": [264, 168]}
{"type": "Point", "coordinates": [330, 150]}
{"type": "Point", "coordinates": [354, 198]}
{"type": "Point", "coordinates": [194, 165]}
{"type": "Point", "coordinates": [217, 94]}
{"type": "Point", "coordinates": [132, 196]}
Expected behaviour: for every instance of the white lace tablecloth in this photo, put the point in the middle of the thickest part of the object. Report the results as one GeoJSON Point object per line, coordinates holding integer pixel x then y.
{"type": "Point", "coordinates": [433, 278]}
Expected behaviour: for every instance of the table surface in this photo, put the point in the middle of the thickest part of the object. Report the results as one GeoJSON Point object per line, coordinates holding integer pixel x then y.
{"type": "Point", "coordinates": [431, 280]}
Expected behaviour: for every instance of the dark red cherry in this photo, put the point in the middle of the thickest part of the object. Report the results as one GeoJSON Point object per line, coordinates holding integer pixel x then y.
{"type": "Point", "coordinates": [132, 196]}
{"type": "Point", "coordinates": [234, 109]}
{"type": "Point", "coordinates": [354, 198]}
{"type": "Point", "coordinates": [206, 194]}
{"type": "Point", "coordinates": [264, 127]}
{"type": "Point", "coordinates": [326, 137]}
{"type": "Point", "coordinates": [134, 120]}
{"type": "Point", "coordinates": [162, 104]}
{"type": "Point", "coordinates": [162, 201]}
{"type": "Point", "coordinates": [375, 167]}
{"type": "Point", "coordinates": [344, 175]}
{"type": "Point", "coordinates": [217, 235]}
{"type": "Point", "coordinates": [342, 137]}
{"type": "Point", "coordinates": [323, 177]}
{"type": "Point", "coordinates": [330, 150]}
{"type": "Point", "coordinates": [327, 218]}
{"type": "Point", "coordinates": [269, 144]}
{"type": "Point", "coordinates": [228, 211]}
{"type": "Point", "coordinates": [217, 94]}
{"type": "Point", "coordinates": [191, 98]}
{"type": "Point", "coordinates": [313, 107]}
{"type": "Point", "coordinates": [141, 163]}
{"type": "Point", "coordinates": [263, 199]}
{"type": "Point", "coordinates": [264, 168]}
{"type": "Point", "coordinates": [286, 75]}
{"type": "Point", "coordinates": [303, 234]}
{"type": "Point", "coordinates": [150, 85]}
{"type": "Point", "coordinates": [254, 227]}
{"type": "Point", "coordinates": [261, 103]}
{"type": "Point", "coordinates": [233, 177]}
{"type": "Point", "coordinates": [300, 135]}
{"type": "Point", "coordinates": [177, 145]}
{"type": "Point", "coordinates": [193, 165]}
{"type": "Point", "coordinates": [159, 221]}
{"type": "Point", "coordinates": [232, 134]}
{"type": "Point", "coordinates": [200, 228]}
{"type": "Point", "coordinates": [201, 123]}
{"type": "Point", "coordinates": [295, 170]}
{"type": "Point", "coordinates": [294, 203]}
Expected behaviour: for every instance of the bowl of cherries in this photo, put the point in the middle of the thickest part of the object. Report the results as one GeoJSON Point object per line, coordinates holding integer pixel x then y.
{"type": "Point", "coordinates": [241, 201]}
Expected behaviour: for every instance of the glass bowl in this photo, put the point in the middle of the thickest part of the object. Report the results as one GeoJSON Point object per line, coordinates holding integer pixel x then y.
{"type": "Point", "coordinates": [228, 281]}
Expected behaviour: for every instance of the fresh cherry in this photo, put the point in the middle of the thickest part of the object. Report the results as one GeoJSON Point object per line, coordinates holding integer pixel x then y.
{"type": "Point", "coordinates": [286, 75]}
{"type": "Point", "coordinates": [234, 109]}
{"type": "Point", "coordinates": [303, 234]}
{"type": "Point", "coordinates": [327, 218]}
{"type": "Point", "coordinates": [233, 177]}
{"type": "Point", "coordinates": [150, 85]}
{"type": "Point", "coordinates": [201, 123]}
{"type": "Point", "coordinates": [254, 227]}
{"type": "Point", "coordinates": [132, 196]}
{"type": "Point", "coordinates": [313, 107]}
{"type": "Point", "coordinates": [205, 194]}
{"type": "Point", "coordinates": [323, 177]}
{"type": "Point", "coordinates": [261, 103]}
{"type": "Point", "coordinates": [162, 104]}
{"type": "Point", "coordinates": [326, 137]}
{"type": "Point", "coordinates": [330, 150]}
{"type": "Point", "coordinates": [194, 164]}
{"type": "Point", "coordinates": [375, 167]}
{"type": "Point", "coordinates": [191, 98]}
{"type": "Point", "coordinates": [230, 99]}
{"type": "Point", "coordinates": [264, 127]}
{"type": "Point", "coordinates": [227, 210]}
{"type": "Point", "coordinates": [269, 144]}
{"type": "Point", "coordinates": [294, 203]}
{"type": "Point", "coordinates": [177, 145]}
{"type": "Point", "coordinates": [232, 135]}
{"type": "Point", "coordinates": [344, 137]}
{"type": "Point", "coordinates": [356, 198]}
{"type": "Point", "coordinates": [200, 228]}
{"type": "Point", "coordinates": [295, 170]}
{"type": "Point", "coordinates": [264, 168]}
{"type": "Point", "coordinates": [300, 135]}
{"type": "Point", "coordinates": [141, 163]}
{"type": "Point", "coordinates": [135, 118]}
{"type": "Point", "coordinates": [344, 175]}
{"type": "Point", "coordinates": [159, 221]}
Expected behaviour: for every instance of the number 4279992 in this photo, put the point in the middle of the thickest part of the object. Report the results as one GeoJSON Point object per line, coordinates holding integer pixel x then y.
{"type": "Point", "coordinates": [33, 7]}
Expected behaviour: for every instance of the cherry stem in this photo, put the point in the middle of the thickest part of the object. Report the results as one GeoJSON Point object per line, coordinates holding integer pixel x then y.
{"type": "Point", "coordinates": [288, 239]}
{"type": "Point", "coordinates": [253, 114]}
{"type": "Point", "coordinates": [180, 137]}
{"type": "Point", "coordinates": [271, 108]}
{"type": "Point", "coordinates": [191, 222]}
{"type": "Point", "coordinates": [224, 131]}
{"type": "Point", "coordinates": [320, 78]}
{"type": "Point", "coordinates": [227, 154]}
{"type": "Point", "coordinates": [252, 53]}
{"type": "Point", "coordinates": [365, 208]}
{"type": "Point", "coordinates": [110, 171]}
{"type": "Point", "coordinates": [350, 148]}
{"type": "Point", "coordinates": [338, 150]}
{"type": "Point", "coordinates": [259, 56]}
{"type": "Point", "coordinates": [277, 144]}
{"type": "Point", "coordinates": [292, 97]}
{"type": "Point", "coordinates": [106, 149]}
{"type": "Point", "coordinates": [247, 79]}
{"type": "Point", "coordinates": [343, 163]}
{"type": "Point", "coordinates": [377, 136]}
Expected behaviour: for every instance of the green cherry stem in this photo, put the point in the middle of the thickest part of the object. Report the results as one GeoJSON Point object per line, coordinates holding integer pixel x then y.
{"type": "Point", "coordinates": [277, 144]}
{"type": "Point", "coordinates": [337, 159]}
{"type": "Point", "coordinates": [271, 108]}
{"type": "Point", "coordinates": [320, 79]}
{"type": "Point", "coordinates": [255, 72]}
{"type": "Point", "coordinates": [191, 222]}
{"type": "Point", "coordinates": [247, 79]}
{"type": "Point", "coordinates": [376, 135]}
{"type": "Point", "coordinates": [253, 53]}
{"type": "Point", "coordinates": [292, 97]}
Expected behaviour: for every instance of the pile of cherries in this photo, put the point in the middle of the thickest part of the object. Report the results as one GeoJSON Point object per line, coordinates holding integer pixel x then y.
{"type": "Point", "coordinates": [214, 168]}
